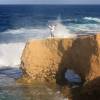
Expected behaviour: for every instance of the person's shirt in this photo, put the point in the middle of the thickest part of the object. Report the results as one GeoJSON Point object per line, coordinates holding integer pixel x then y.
{"type": "Point", "coordinates": [52, 28]}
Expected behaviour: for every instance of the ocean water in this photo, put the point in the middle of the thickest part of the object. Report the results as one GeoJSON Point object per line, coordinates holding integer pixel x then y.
{"type": "Point", "coordinates": [19, 23]}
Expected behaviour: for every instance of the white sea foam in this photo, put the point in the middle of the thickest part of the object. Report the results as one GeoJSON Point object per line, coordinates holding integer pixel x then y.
{"type": "Point", "coordinates": [25, 30]}
{"type": "Point", "coordinates": [10, 54]}
{"type": "Point", "coordinates": [92, 19]}
{"type": "Point", "coordinates": [29, 33]}
{"type": "Point", "coordinates": [87, 28]}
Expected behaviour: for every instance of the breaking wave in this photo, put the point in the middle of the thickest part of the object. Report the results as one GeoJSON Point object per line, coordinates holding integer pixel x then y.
{"type": "Point", "coordinates": [87, 28]}
{"type": "Point", "coordinates": [10, 54]}
{"type": "Point", "coordinates": [26, 30]}
{"type": "Point", "coordinates": [92, 19]}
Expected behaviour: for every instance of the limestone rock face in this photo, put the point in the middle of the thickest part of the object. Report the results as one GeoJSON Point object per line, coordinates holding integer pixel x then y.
{"type": "Point", "coordinates": [41, 58]}
{"type": "Point", "coordinates": [48, 59]}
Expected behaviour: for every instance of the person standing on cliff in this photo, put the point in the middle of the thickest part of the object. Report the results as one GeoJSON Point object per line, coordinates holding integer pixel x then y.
{"type": "Point", "coordinates": [52, 29]}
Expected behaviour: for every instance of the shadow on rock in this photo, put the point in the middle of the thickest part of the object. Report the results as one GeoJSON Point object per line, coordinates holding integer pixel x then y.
{"type": "Point", "coordinates": [91, 90]}
{"type": "Point", "coordinates": [78, 58]}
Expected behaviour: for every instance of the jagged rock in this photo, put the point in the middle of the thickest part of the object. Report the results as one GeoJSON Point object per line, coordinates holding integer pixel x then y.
{"type": "Point", "coordinates": [48, 59]}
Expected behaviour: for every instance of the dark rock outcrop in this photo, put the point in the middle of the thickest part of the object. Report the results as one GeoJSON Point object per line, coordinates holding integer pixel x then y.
{"type": "Point", "coordinates": [91, 90]}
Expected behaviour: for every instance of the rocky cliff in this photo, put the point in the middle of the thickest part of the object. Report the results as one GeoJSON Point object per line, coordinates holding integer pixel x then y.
{"type": "Point", "coordinates": [48, 59]}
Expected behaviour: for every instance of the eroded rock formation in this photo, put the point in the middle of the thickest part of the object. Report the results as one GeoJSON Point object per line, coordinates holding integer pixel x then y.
{"type": "Point", "coordinates": [48, 59]}
{"type": "Point", "coordinates": [41, 58]}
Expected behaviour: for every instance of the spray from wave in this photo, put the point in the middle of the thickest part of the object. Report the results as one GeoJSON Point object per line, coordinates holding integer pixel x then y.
{"type": "Point", "coordinates": [10, 54]}
{"type": "Point", "coordinates": [61, 31]}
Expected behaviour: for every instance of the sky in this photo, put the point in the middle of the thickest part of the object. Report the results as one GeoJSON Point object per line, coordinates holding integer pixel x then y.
{"type": "Point", "coordinates": [49, 1]}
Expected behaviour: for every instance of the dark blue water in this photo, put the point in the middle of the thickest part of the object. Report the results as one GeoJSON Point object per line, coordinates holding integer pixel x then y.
{"type": "Point", "coordinates": [17, 20]}
{"type": "Point", "coordinates": [16, 16]}
{"type": "Point", "coordinates": [18, 23]}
